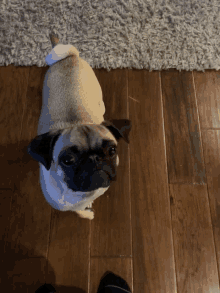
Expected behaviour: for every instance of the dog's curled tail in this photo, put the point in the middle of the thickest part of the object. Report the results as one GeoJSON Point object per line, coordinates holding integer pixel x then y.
{"type": "Point", "coordinates": [59, 51]}
{"type": "Point", "coordinates": [54, 40]}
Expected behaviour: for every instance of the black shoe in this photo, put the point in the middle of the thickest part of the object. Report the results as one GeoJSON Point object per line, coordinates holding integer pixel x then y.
{"type": "Point", "coordinates": [46, 288]}
{"type": "Point", "coordinates": [111, 279]}
{"type": "Point", "coordinates": [108, 279]}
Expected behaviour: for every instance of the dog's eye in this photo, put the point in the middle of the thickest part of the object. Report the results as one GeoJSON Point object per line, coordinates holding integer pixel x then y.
{"type": "Point", "coordinates": [112, 151]}
{"type": "Point", "coordinates": [68, 161]}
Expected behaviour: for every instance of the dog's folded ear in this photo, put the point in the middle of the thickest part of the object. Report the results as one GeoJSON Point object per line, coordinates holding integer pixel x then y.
{"type": "Point", "coordinates": [41, 148]}
{"type": "Point", "coordinates": [120, 128]}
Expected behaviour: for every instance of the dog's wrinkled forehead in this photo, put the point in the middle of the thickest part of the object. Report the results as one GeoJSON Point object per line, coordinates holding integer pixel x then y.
{"type": "Point", "coordinates": [83, 136]}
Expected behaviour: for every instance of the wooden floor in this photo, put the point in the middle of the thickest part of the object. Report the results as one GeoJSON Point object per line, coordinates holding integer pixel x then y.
{"type": "Point", "coordinates": [158, 226]}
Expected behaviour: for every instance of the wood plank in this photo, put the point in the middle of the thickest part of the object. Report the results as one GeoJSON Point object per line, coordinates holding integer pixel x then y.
{"type": "Point", "coordinates": [5, 208]}
{"type": "Point", "coordinates": [13, 90]}
{"type": "Point", "coordinates": [183, 140]}
{"type": "Point", "coordinates": [68, 252]}
{"type": "Point", "coordinates": [207, 87]}
{"type": "Point", "coordinates": [211, 144]}
{"type": "Point", "coordinates": [153, 256]}
{"type": "Point", "coordinates": [195, 258]}
{"type": "Point", "coordinates": [207, 92]}
{"type": "Point", "coordinates": [28, 235]}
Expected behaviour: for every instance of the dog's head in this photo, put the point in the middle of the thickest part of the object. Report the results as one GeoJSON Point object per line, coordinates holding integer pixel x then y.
{"type": "Point", "coordinates": [84, 156]}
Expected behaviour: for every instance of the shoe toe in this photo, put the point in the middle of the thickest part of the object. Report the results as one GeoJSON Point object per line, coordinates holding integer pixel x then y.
{"type": "Point", "coordinates": [111, 279]}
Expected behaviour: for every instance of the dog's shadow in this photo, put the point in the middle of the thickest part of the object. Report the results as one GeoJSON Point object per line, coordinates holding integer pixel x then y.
{"type": "Point", "coordinates": [25, 225]}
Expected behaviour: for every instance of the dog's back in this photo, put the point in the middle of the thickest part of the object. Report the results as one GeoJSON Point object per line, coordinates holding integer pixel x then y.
{"type": "Point", "coordinates": [71, 91]}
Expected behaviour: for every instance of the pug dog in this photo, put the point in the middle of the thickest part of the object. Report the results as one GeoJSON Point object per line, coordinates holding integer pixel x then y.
{"type": "Point", "coordinates": [75, 147]}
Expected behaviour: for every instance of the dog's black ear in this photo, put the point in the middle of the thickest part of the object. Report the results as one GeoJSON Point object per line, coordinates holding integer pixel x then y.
{"type": "Point", "coordinates": [120, 128]}
{"type": "Point", "coordinates": [41, 148]}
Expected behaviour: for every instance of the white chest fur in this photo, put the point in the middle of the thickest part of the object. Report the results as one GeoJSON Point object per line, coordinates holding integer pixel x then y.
{"type": "Point", "coordinates": [61, 198]}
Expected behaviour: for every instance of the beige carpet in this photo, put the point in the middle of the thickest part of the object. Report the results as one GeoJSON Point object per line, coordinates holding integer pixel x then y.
{"type": "Point", "coordinates": [150, 34]}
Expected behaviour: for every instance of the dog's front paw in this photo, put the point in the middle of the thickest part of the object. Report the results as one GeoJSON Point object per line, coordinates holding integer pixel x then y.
{"type": "Point", "coordinates": [87, 214]}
